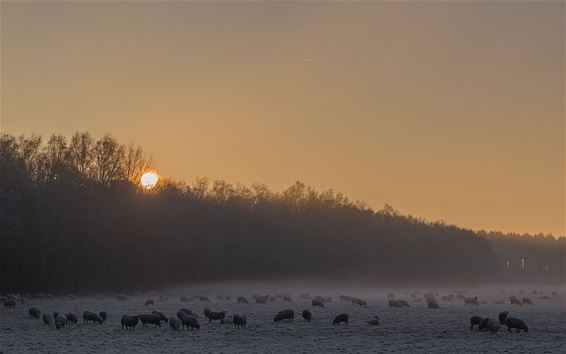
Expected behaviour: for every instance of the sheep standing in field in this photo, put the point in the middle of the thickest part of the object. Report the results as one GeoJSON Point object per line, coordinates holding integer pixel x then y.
{"type": "Point", "coordinates": [148, 302]}
{"type": "Point", "coordinates": [403, 303]}
{"type": "Point", "coordinates": [71, 317]}
{"type": "Point", "coordinates": [516, 323]}
{"type": "Point", "coordinates": [47, 319]}
{"type": "Point", "coordinates": [190, 321]}
{"type": "Point", "coordinates": [89, 316]}
{"type": "Point", "coordinates": [503, 317]}
{"type": "Point", "coordinates": [239, 320]}
{"type": "Point", "coordinates": [514, 301]}
{"type": "Point", "coordinates": [340, 318]}
{"type": "Point", "coordinates": [431, 302]}
{"type": "Point", "coordinates": [475, 321]}
{"type": "Point", "coordinates": [284, 315]}
{"type": "Point", "coordinates": [493, 326]}
{"type": "Point", "coordinates": [60, 321]}
{"type": "Point", "coordinates": [527, 301]}
{"type": "Point", "coordinates": [129, 321]}
{"type": "Point", "coordinates": [151, 319]}
{"type": "Point", "coordinates": [161, 315]}
{"type": "Point", "coordinates": [174, 323]}
{"type": "Point", "coordinates": [307, 315]}
{"type": "Point", "coordinates": [213, 315]}
{"type": "Point", "coordinates": [34, 312]}
{"type": "Point", "coordinates": [317, 303]}
{"type": "Point", "coordinates": [394, 303]}
{"type": "Point", "coordinates": [261, 299]}
{"type": "Point", "coordinates": [359, 302]}
{"type": "Point", "coordinates": [287, 298]}
{"type": "Point", "coordinates": [345, 298]}
{"type": "Point", "coordinates": [242, 300]}
{"type": "Point", "coordinates": [471, 301]}
{"type": "Point", "coordinates": [103, 315]}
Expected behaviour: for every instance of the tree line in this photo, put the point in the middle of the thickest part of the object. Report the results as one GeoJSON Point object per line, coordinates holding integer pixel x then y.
{"type": "Point", "coordinates": [73, 218]}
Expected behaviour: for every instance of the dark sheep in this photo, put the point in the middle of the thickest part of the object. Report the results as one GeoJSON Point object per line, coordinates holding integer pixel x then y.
{"type": "Point", "coordinates": [47, 319]}
{"type": "Point", "coordinates": [261, 299]}
{"type": "Point", "coordinates": [287, 299]}
{"type": "Point", "coordinates": [340, 318]}
{"type": "Point", "coordinates": [239, 320]}
{"type": "Point", "coordinates": [161, 315]}
{"type": "Point", "coordinates": [317, 303]}
{"type": "Point", "coordinates": [359, 302]}
{"type": "Point", "coordinates": [345, 298]}
{"type": "Point", "coordinates": [212, 315]}
{"type": "Point", "coordinates": [206, 312]}
{"type": "Point", "coordinates": [281, 316]}
{"type": "Point", "coordinates": [60, 321]}
{"type": "Point", "coordinates": [515, 301]}
{"type": "Point", "coordinates": [493, 326]}
{"type": "Point", "coordinates": [103, 315]}
{"type": "Point", "coordinates": [403, 303]}
{"type": "Point", "coordinates": [374, 321]}
{"type": "Point", "coordinates": [471, 301]}
{"type": "Point", "coordinates": [130, 322]}
{"type": "Point", "coordinates": [89, 316]}
{"type": "Point", "coordinates": [432, 303]}
{"type": "Point", "coordinates": [483, 323]}
{"type": "Point", "coordinates": [503, 316]}
{"type": "Point", "coordinates": [71, 317]}
{"type": "Point", "coordinates": [394, 303]}
{"type": "Point", "coordinates": [242, 300]}
{"type": "Point", "coordinates": [34, 312]}
{"type": "Point", "coordinates": [516, 323]}
{"type": "Point", "coordinates": [527, 301]}
{"type": "Point", "coordinates": [174, 323]}
{"type": "Point", "coordinates": [151, 319]}
{"type": "Point", "coordinates": [148, 302]}
{"type": "Point", "coordinates": [475, 320]}
{"type": "Point", "coordinates": [189, 312]}
{"type": "Point", "coordinates": [190, 321]}
{"type": "Point", "coordinates": [307, 315]}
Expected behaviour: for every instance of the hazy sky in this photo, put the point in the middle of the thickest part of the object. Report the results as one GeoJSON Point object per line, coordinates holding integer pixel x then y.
{"type": "Point", "coordinates": [446, 110]}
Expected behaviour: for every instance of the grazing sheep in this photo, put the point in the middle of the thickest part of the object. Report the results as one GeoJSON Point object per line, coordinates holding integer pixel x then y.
{"type": "Point", "coordinates": [475, 320]}
{"type": "Point", "coordinates": [272, 299]}
{"type": "Point", "coordinates": [162, 317]}
{"type": "Point", "coordinates": [103, 315]}
{"type": "Point", "coordinates": [493, 326]}
{"type": "Point", "coordinates": [239, 320]}
{"type": "Point", "coordinates": [184, 311]}
{"type": "Point", "coordinates": [34, 312]}
{"type": "Point", "coordinates": [60, 321]}
{"type": "Point", "coordinates": [151, 319]}
{"type": "Point", "coordinates": [432, 303]}
{"type": "Point", "coordinates": [517, 323]}
{"type": "Point", "coordinates": [317, 303]}
{"type": "Point", "coordinates": [484, 322]}
{"type": "Point", "coordinates": [345, 298]}
{"type": "Point", "coordinates": [71, 317]}
{"type": "Point", "coordinates": [212, 315]}
{"type": "Point", "coordinates": [359, 302]}
{"type": "Point", "coordinates": [190, 321]}
{"type": "Point", "coordinates": [394, 303]}
{"type": "Point", "coordinates": [284, 315]}
{"type": "Point", "coordinates": [287, 298]}
{"type": "Point", "coordinates": [261, 299]}
{"type": "Point", "coordinates": [130, 321]}
{"type": "Point", "coordinates": [471, 301]}
{"type": "Point", "coordinates": [206, 312]}
{"type": "Point", "coordinates": [403, 303]}
{"type": "Point", "coordinates": [307, 315]}
{"type": "Point", "coordinates": [374, 321]}
{"type": "Point", "coordinates": [527, 301]}
{"type": "Point", "coordinates": [89, 316]}
{"type": "Point", "coordinates": [340, 318]}
{"type": "Point", "coordinates": [201, 298]}
{"type": "Point", "coordinates": [47, 319]}
{"type": "Point", "coordinates": [242, 300]}
{"type": "Point", "coordinates": [174, 323]}
{"type": "Point", "coordinates": [515, 301]}
{"type": "Point", "coordinates": [503, 316]}
{"type": "Point", "coordinates": [148, 302]}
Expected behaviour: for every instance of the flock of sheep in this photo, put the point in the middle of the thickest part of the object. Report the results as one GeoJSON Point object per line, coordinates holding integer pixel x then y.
{"type": "Point", "coordinates": [186, 318]}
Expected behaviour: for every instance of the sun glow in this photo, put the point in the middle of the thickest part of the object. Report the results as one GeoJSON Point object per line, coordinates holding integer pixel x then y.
{"type": "Point", "coordinates": [149, 179]}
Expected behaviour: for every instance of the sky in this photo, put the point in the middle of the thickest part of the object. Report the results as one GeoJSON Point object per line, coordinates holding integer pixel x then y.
{"type": "Point", "coordinates": [445, 110]}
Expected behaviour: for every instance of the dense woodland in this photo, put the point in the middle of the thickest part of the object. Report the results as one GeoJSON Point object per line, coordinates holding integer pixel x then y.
{"type": "Point", "coordinates": [74, 219]}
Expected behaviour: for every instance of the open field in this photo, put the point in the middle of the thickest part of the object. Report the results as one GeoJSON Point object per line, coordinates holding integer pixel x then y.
{"type": "Point", "coordinates": [414, 329]}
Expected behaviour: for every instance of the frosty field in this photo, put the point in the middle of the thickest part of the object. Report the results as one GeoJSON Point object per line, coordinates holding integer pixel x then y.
{"type": "Point", "coordinates": [414, 329]}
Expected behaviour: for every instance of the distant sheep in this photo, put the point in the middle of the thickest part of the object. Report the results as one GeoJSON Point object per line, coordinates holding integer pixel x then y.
{"type": "Point", "coordinates": [394, 303]}
{"type": "Point", "coordinates": [47, 319]}
{"type": "Point", "coordinates": [174, 323]}
{"type": "Point", "coordinates": [150, 319]}
{"type": "Point", "coordinates": [307, 315]}
{"type": "Point", "coordinates": [34, 312]}
{"type": "Point", "coordinates": [184, 299]}
{"type": "Point", "coordinates": [342, 318]}
{"type": "Point", "coordinates": [317, 303]}
{"type": "Point", "coordinates": [503, 317]}
{"type": "Point", "coordinates": [374, 321]}
{"type": "Point", "coordinates": [89, 316]}
{"type": "Point", "coordinates": [129, 322]}
{"type": "Point", "coordinates": [493, 326]}
{"type": "Point", "coordinates": [359, 302]}
{"type": "Point", "coordinates": [516, 323]}
{"type": "Point", "coordinates": [475, 321]}
{"type": "Point", "coordinates": [148, 302]}
{"type": "Point", "coordinates": [287, 298]}
{"type": "Point", "coordinates": [242, 300]}
{"type": "Point", "coordinates": [285, 315]}
{"type": "Point", "coordinates": [515, 301]}
{"type": "Point", "coordinates": [161, 315]}
{"type": "Point", "coordinates": [71, 317]}
{"type": "Point", "coordinates": [527, 301]}
{"type": "Point", "coordinates": [432, 303]}
{"type": "Point", "coordinates": [239, 320]}
{"type": "Point", "coordinates": [60, 321]}
{"type": "Point", "coordinates": [213, 315]}
{"type": "Point", "coordinates": [103, 315]}
{"type": "Point", "coordinates": [191, 322]}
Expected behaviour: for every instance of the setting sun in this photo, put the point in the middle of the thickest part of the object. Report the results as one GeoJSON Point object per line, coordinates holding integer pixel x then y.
{"type": "Point", "coordinates": [149, 180]}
